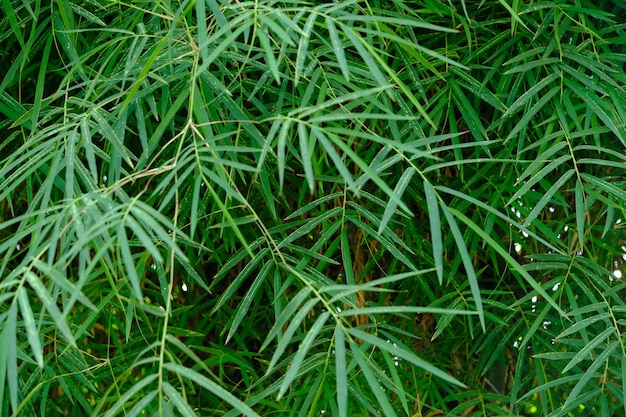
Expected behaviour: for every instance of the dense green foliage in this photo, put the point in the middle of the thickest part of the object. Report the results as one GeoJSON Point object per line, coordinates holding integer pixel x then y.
{"type": "Point", "coordinates": [349, 208]}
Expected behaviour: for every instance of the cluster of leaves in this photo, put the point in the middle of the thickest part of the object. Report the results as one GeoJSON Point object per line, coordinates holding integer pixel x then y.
{"type": "Point", "coordinates": [294, 208]}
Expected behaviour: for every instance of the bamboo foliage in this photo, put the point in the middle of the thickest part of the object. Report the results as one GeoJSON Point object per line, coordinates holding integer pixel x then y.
{"type": "Point", "coordinates": [304, 208]}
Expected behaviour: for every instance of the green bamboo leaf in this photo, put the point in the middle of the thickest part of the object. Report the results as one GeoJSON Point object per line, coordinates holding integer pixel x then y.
{"type": "Point", "coordinates": [12, 109]}
{"type": "Point", "coordinates": [550, 384]}
{"type": "Point", "coordinates": [606, 186]}
{"type": "Point", "coordinates": [310, 226]}
{"type": "Point", "coordinates": [583, 324]}
{"type": "Point", "coordinates": [129, 263]}
{"type": "Point", "coordinates": [508, 258]}
{"type": "Point", "coordinates": [624, 385]}
{"type": "Point", "coordinates": [338, 48]}
{"type": "Point", "coordinates": [10, 331]}
{"type": "Point", "coordinates": [269, 54]}
{"type": "Point", "coordinates": [195, 205]}
{"type": "Point", "coordinates": [367, 170]}
{"type": "Point", "coordinates": [87, 14]}
{"type": "Point", "coordinates": [403, 310]}
{"type": "Point", "coordinates": [41, 80]}
{"type": "Point", "coordinates": [585, 352]}
{"type": "Point", "coordinates": [435, 228]}
{"type": "Point", "coordinates": [382, 239]}
{"type": "Point", "coordinates": [530, 94]}
{"type": "Point", "coordinates": [305, 154]}
{"type": "Point", "coordinates": [303, 46]}
{"type": "Point", "coordinates": [590, 372]}
{"type": "Point", "coordinates": [346, 257]}
{"type": "Point", "coordinates": [581, 210]}
{"type": "Point", "coordinates": [589, 308]}
{"type": "Point", "coordinates": [541, 159]}
{"type": "Point", "coordinates": [246, 302]}
{"type": "Point", "coordinates": [341, 291]}
{"type": "Point", "coordinates": [313, 205]}
{"type": "Point", "coordinates": [241, 277]}
{"type": "Point", "coordinates": [286, 315]}
{"type": "Point", "coordinates": [336, 158]}
{"type": "Point", "coordinates": [50, 305]}
{"type": "Point", "coordinates": [145, 240]}
{"type": "Point", "coordinates": [15, 26]}
{"type": "Point", "coordinates": [529, 115]}
{"type": "Point", "coordinates": [31, 327]}
{"type": "Point", "coordinates": [183, 407]}
{"type": "Point", "coordinates": [137, 387]}
{"type": "Point", "coordinates": [341, 372]}
{"type": "Point", "coordinates": [59, 279]}
{"type": "Point", "coordinates": [201, 18]}
{"type": "Point", "coordinates": [217, 13]}
{"type": "Point", "coordinates": [213, 387]}
{"type": "Point", "coordinates": [4, 352]}
{"type": "Point", "coordinates": [358, 43]}
{"type": "Point", "coordinates": [277, 29]}
{"type": "Point", "coordinates": [404, 354]}
{"type": "Point", "coordinates": [357, 96]}
{"type": "Point", "coordinates": [554, 356]}
{"type": "Point", "coordinates": [544, 62]}
{"type": "Point", "coordinates": [398, 192]}
{"type": "Point", "coordinates": [291, 329]}
{"type": "Point", "coordinates": [470, 116]}
{"type": "Point", "coordinates": [67, 44]}
{"type": "Point", "coordinates": [472, 85]}
{"type": "Point", "coordinates": [303, 349]}
{"type": "Point", "coordinates": [467, 262]}
{"type": "Point", "coordinates": [597, 107]}
{"type": "Point", "coordinates": [157, 223]}
{"type": "Point", "coordinates": [223, 183]}
{"type": "Point", "coordinates": [140, 406]}
{"type": "Point", "coordinates": [366, 366]}
{"type": "Point", "coordinates": [100, 116]}
{"type": "Point", "coordinates": [539, 206]}
{"type": "Point", "coordinates": [281, 150]}
{"type": "Point", "coordinates": [538, 177]}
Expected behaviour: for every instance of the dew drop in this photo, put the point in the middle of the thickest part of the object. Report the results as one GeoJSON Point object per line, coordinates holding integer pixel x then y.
{"type": "Point", "coordinates": [184, 287]}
